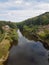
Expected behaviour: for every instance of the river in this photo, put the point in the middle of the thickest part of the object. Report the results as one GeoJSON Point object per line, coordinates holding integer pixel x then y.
{"type": "Point", "coordinates": [27, 53]}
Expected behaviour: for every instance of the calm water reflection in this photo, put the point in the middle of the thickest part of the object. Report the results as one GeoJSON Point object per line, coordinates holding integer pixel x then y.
{"type": "Point", "coordinates": [28, 53]}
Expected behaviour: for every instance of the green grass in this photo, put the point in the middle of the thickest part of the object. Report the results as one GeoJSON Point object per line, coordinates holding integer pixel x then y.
{"type": "Point", "coordinates": [42, 34]}
{"type": "Point", "coordinates": [4, 47]}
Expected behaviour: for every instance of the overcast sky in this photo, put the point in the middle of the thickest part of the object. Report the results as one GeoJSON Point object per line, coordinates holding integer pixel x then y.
{"type": "Point", "coordinates": [18, 10]}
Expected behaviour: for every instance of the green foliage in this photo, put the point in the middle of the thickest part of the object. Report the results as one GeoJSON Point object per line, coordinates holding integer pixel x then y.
{"type": "Point", "coordinates": [11, 24]}
{"type": "Point", "coordinates": [44, 35]}
{"type": "Point", "coordinates": [2, 36]}
{"type": "Point", "coordinates": [38, 20]}
{"type": "Point", "coordinates": [14, 35]}
{"type": "Point", "coordinates": [7, 38]}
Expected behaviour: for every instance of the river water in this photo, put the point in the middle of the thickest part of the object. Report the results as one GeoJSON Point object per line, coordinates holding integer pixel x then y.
{"type": "Point", "coordinates": [27, 53]}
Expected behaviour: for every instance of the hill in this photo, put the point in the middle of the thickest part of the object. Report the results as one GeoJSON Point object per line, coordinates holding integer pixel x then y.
{"type": "Point", "coordinates": [42, 19]}
{"type": "Point", "coordinates": [36, 28]}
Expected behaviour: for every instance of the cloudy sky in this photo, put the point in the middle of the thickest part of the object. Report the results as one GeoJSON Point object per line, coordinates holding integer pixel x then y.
{"type": "Point", "coordinates": [18, 10]}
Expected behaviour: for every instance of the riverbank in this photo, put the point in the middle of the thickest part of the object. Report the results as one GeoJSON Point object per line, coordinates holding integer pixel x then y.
{"type": "Point", "coordinates": [34, 36]}
{"type": "Point", "coordinates": [10, 38]}
{"type": "Point", "coordinates": [27, 52]}
{"type": "Point", "coordinates": [4, 58]}
{"type": "Point", "coordinates": [4, 50]}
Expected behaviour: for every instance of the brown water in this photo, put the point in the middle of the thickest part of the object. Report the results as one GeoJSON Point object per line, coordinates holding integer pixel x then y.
{"type": "Point", "coordinates": [27, 53]}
